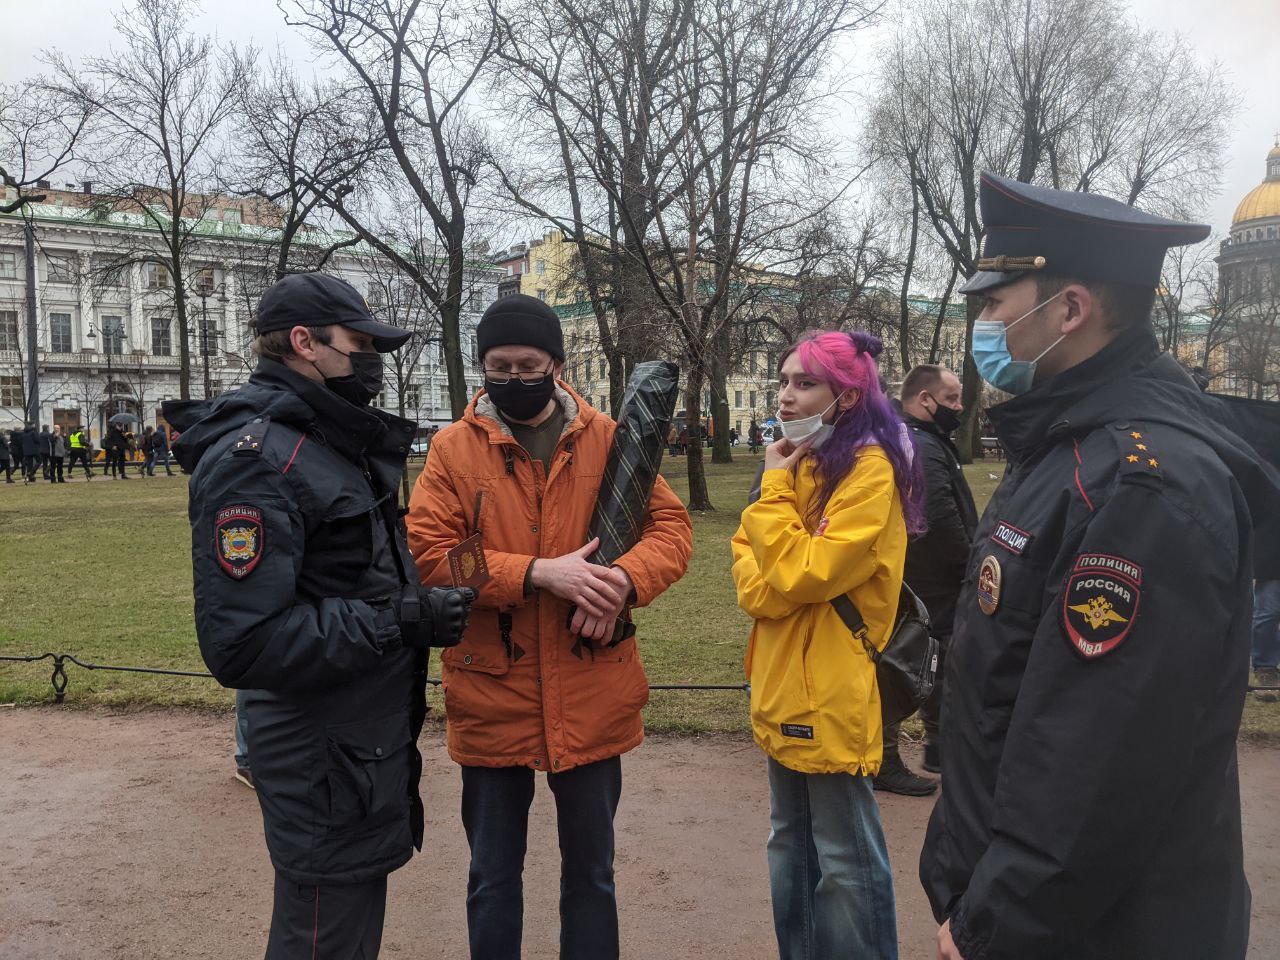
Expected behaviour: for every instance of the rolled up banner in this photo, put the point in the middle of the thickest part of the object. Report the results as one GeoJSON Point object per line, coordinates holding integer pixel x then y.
{"type": "Point", "coordinates": [634, 459]}
{"type": "Point", "coordinates": [630, 472]}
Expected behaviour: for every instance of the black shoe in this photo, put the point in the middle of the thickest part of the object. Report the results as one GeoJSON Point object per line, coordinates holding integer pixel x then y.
{"type": "Point", "coordinates": [932, 762]}
{"type": "Point", "coordinates": [894, 777]}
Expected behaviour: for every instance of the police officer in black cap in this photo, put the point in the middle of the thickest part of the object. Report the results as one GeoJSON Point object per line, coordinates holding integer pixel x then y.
{"type": "Point", "coordinates": [307, 598]}
{"type": "Point", "coordinates": [1100, 654]}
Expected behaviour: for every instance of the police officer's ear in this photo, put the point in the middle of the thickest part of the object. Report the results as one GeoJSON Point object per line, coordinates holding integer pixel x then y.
{"type": "Point", "coordinates": [303, 343]}
{"type": "Point", "coordinates": [1080, 308]}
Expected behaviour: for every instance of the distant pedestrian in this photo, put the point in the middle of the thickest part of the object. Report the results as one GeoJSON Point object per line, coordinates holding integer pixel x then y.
{"type": "Point", "coordinates": [115, 447]}
{"type": "Point", "coordinates": [160, 450]}
{"type": "Point", "coordinates": [6, 461]}
{"type": "Point", "coordinates": [733, 437]}
{"type": "Point", "coordinates": [148, 468]}
{"type": "Point", "coordinates": [46, 452]}
{"type": "Point", "coordinates": [673, 440]}
{"type": "Point", "coordinates": [57, 455]}
{"type": "Point", "coordinates": [79, 447]}
{"type": "Point", "coordinates": [29, 441]}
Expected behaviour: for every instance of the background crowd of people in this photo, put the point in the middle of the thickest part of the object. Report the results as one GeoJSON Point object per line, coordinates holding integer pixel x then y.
{"type": "Point", "coordinates": [51, 454]}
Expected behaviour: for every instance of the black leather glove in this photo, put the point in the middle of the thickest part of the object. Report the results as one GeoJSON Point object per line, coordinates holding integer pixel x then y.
{"type": "Point", "coordinates": [450, 608]}
{"type": "Point", "coordinates": [434, 616]}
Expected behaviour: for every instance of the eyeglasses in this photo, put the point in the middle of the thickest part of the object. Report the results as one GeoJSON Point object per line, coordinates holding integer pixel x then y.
{"type": "Point", "coordinates": [528, 378]}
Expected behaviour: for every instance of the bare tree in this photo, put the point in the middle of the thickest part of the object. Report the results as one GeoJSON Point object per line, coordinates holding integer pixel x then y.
{"type": "Point", "coordinates": [40, 130]}
{"type": "Point", "coordinates": [415, 64]}
{"type": "Point", "coordinates": [1073, 95]}
{"type": "Point", "coordinates": [162, 102]}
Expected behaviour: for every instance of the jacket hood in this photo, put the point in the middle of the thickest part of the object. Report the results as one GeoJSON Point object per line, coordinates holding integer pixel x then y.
{"type": "Point", "coordinates": [482, 412]}
{"type": "Point", "coordinates": [283, 396]}
{"type": "Point", "coordinates": [1133, 379]}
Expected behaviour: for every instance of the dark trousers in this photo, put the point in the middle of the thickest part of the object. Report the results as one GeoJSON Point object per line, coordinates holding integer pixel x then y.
{"type": "Point", "coordinates": [82, 455]}
{"type": "Point", "coordinates": [495, 813]}
{"type": "Point", "coordinates": [29, 465]}
{"type": "Point", "coordinates": [328, 922]}
{"type": "Point", "coordinates": [55, 470]}
{"type": "Point", "coordinates": [117, 463]}
{"type": "Point", "coordinates": [7, 466]}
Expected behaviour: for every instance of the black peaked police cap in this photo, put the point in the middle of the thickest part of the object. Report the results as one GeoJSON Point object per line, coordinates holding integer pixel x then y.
{"type": "Point", "coordinates": [1066, 233]}
{"type": "Point", "coordinates": [318, 300]}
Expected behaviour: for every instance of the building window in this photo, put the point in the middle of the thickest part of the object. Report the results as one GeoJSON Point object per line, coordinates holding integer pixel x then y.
{"type": "Point", "coordinates": [155, 276]}
{"type": "Point", "coordinates": [113, 335]}
{"type": "Point", "coordinates": [412, 398]}
{"type": "Point", "coordinates": [62, 267]}
{"type": "Point", "coordinates": [11, 392]}
{"type": "Point", "coordinates": [107, 273]}
{"type": "Point", "coordinates": [444, 397]}
{"type": "Point", "coordinates": [604, 368]}
{"type": "Point", "coordinates": [737, 398]}
{"type": "Point", "coordinates": [542, 293]}
{"type": "Point", "coordinates": [579, 296]}
{"type": "Point", "coordinates": [751, 399]}
{"type": "Point", "coordinates": [161, 337]}
{"type": "Point", "coordinates": [539, 267]}
{"type": "Point", "coordinates": [8, 264]}
{"type": "Point", "coordinates": [9, 330]}
{"type": "Point", "coordinates": [60, 332]}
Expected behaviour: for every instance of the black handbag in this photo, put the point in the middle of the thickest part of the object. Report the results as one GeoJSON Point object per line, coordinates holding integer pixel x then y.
{"type": "Point", "coordinates": [907, 667]}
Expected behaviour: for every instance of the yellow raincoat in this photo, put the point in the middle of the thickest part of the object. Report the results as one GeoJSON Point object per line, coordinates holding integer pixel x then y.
{"type": "Point", "coordinates": [815, 707]}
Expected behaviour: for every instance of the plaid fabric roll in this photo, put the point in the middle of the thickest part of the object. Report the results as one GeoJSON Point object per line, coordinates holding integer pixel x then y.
{"type": "Point", "coordinates": [634, 459]}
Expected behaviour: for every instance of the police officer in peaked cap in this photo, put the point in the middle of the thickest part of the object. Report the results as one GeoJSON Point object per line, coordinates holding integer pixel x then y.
{"type": "Point", "coordinates": [306, 597]}
{"type": "Point", "coordinates": [1100, 657]}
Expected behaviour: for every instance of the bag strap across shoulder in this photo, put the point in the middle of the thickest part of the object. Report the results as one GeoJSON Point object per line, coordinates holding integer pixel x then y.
{"type": "Point", "coordinates": [852, 618]}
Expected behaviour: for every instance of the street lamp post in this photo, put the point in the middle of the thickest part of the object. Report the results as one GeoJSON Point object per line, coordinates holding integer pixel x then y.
{"type": "Point", "coordinates": [112, 333]}
{"type": "Point", "coordinates": [204, 291]}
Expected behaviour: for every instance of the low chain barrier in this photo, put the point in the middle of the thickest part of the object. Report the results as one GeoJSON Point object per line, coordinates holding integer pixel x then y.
{"type": "Point", "coordinates": [59, 677]}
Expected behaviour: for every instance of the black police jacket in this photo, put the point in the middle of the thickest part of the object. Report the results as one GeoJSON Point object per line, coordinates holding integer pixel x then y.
{"type": "Point", "coordinates": [936, 559]}
{"type": "Point", "coordinates": [1097, 674]}
{"type": "Point", "coordinates": [297, 556]}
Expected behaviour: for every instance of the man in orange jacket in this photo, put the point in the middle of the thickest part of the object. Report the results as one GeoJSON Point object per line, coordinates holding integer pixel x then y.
{"type": "Point", "coordinates": [541, 680]}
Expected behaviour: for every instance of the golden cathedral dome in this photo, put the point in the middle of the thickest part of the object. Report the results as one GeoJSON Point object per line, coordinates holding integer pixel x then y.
{"type": "Point", "coordinates": [1263, 201]}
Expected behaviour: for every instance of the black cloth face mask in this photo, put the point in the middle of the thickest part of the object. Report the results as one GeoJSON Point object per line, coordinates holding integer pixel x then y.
{"type": "Point", "coordinates": [363, 383]}
{"type": "Point", "coordinates": [521, 401]}
{"type": "Point", "coordinates": [947, 418]}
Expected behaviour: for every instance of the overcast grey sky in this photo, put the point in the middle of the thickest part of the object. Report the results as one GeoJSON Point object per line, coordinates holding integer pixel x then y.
{"type": "Point", "coordinates": [1242, 34]}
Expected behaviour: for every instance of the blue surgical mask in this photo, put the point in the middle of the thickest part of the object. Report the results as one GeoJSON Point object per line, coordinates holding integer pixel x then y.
{"type": "Point", "coordinates": [991, 353]}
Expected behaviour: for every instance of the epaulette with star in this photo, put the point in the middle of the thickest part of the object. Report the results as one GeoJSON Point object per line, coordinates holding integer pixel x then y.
{"type": "Point", "coordinates": [250, 441]}
{"type": "Point", "coordinates": [1138, 459]}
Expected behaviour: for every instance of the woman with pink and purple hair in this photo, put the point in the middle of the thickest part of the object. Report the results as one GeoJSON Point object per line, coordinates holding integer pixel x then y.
{"type": "Point", "coordinates": [839, 494]}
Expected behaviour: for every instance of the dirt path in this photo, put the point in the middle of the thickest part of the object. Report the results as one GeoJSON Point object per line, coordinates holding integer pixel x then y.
{"type": "Point", "coordinates": [124, 837]}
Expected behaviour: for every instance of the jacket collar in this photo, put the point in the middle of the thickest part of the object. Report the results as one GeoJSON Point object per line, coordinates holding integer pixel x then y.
{"type": "Point", "coordinates": [1079, 397]}
{"type": "Point", "coordinates": [482, 412]}
{"type": "Point", "coordinates": [350, 430]}
{"type": "Point", "coordinates": [931, 428]}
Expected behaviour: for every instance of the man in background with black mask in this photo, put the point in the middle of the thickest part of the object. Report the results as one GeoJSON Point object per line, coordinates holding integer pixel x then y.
{"type": "Point", "coordinates": [935, 561]}
{"type": "Point", "coordinates": [308, 603]}
{"type": "Point", "coordinates": [545, 679]}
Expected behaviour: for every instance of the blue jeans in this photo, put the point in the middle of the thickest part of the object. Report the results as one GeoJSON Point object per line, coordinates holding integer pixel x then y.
{"type": "Point", "coordinates": [495, 813]}
{"type": "Point", "coordinates": [242, 734]}
{"type": "Point", "coordinates": [829, 868]}
{"type": "Point", "coordinates": [1266, 623]}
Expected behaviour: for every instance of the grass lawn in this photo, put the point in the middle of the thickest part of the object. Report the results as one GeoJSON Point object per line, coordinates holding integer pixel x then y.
{"type": "Point", "coordinates": [102, 570]}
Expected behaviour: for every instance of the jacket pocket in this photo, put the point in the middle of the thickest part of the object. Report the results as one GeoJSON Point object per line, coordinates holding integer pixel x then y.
{"type": "Point", "coordinates": [482, 649]}
{"type": "Point", "coordinates": [368, 770]}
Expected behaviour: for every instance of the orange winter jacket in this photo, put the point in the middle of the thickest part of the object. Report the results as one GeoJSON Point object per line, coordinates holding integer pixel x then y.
{"type": "Point", "coordinates": [540, 705]}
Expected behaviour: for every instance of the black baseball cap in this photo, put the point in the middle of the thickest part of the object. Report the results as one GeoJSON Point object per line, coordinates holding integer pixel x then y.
{"type": "Point", "coordinates": [318, 300]}
{"type": "Point", "coordinates": [1065, 233]}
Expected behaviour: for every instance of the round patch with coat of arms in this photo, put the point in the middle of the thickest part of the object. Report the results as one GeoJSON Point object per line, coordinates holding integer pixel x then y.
{"type": "Point", "coordinates": [989, 576]}
{"type": "Point", "coordinates": [238, 539]}
{"type": "Point", "coordinates": [1100, 603]}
